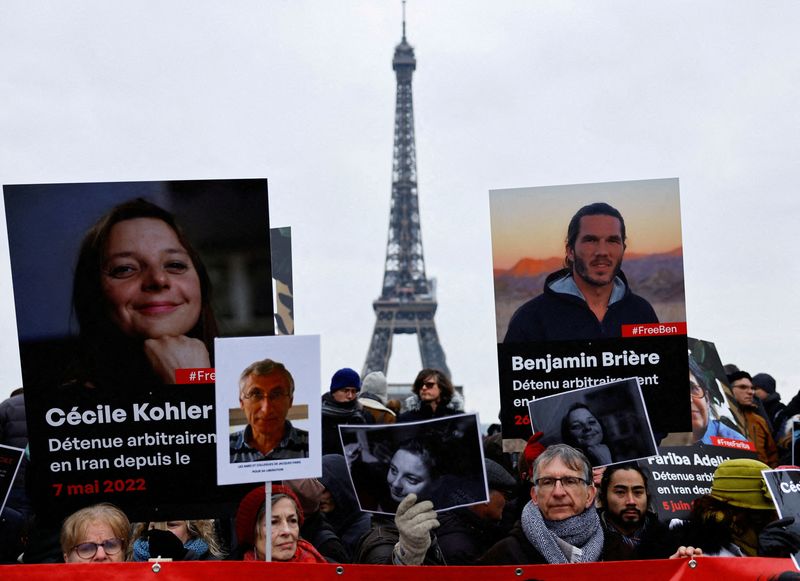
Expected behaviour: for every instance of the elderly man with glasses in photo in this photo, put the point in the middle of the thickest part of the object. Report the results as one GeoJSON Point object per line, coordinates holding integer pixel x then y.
{"type": "Point", "coordinates": [560, 523]}
{"type": "Point", "coordinates": [266, 393]}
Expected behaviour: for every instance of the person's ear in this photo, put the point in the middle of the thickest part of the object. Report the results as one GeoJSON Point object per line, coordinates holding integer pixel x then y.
{"type": "Point", "coordinates": [592, 494]}
{"type": "Point", "coordinates": [533, 496]}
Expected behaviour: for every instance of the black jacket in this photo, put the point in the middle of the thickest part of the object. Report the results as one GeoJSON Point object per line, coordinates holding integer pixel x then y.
{"type": "Point", "coordinates": [464, 537]}
{"type": "Point", "coordinates": [554, 316]}
{"type": "Point", "coordinates": [335, 414]}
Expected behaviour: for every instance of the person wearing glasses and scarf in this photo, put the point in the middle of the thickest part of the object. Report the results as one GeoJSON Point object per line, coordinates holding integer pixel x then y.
{"type": "Point", "coordinates": [560, 523]}
{"type": "Point", "coordinates": [266, 393]}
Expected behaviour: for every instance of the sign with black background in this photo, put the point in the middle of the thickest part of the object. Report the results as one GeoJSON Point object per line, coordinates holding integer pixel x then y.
{"type": "Point", "coordinates": [658, 362]}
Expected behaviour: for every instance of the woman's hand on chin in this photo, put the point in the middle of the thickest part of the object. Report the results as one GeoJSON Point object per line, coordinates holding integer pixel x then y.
{"type": "Point", "coordinates": [168, 354]}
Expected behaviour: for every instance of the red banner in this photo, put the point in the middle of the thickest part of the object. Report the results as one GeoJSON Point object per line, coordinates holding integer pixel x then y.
{"type": "Point", "coordinates": [704, 568]}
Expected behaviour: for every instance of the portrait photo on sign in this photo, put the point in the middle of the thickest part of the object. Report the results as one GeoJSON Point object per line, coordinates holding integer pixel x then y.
{"type": "Point", "coordinates": [100, 268]}
{"type": "Point", "coordinates": [120, 288]}
{"type": "Point", "coordinates": [713, 421]}
{"type": "Point", "coordinates": [558, 251]}
{"type": "Point", "coordinates": [608, 423]}
{"type": "Point", "coordinates": [268, 408]}
{"type": "Point", "coordinates": [439, 460]}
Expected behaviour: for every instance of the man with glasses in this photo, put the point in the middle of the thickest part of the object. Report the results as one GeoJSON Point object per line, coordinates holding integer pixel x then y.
{"type": "Point", "coordinates": [560, 523]}
{"type": "Point", "coordinates": [341, 406]}
{"type": "Point", "coordinates": [266, 393]}
{"type": "Point", "coordinates": [755, 425]}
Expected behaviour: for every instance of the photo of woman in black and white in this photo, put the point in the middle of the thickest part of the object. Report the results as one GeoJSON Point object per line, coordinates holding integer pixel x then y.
{"type": "Point", "coordinates": [437, 460]}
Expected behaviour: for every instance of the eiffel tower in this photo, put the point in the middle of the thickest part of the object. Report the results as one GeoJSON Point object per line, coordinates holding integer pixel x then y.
{"type": "Point", "coordinates": [407, 303]}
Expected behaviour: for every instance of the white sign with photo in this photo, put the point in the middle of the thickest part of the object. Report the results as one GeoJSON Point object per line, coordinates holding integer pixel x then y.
{"type": "Point", "coordinates": [268, 408]}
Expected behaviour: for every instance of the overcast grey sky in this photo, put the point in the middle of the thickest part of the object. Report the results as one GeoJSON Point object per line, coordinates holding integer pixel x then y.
{"type": "Point", "coordinates": [507, 94]}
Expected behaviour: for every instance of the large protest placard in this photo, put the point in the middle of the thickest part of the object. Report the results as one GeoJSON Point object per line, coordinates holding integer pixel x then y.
{"type": "Point", "coordinates": [607, 422]}
{"type": "Point", "coordinates": [784, 487]}
{"type": "Point", "coordinates": [680, 474]}
{"type": "Point", "coordinates": [268, 425]}
{"type": "Point", "coordinates": [571, 313]}
{"type": "Point", "coordinates": [116, 319]}
{"type": "Point", "coordinates": [713, 420]}
{"type": "Point", "coordinates": [439, 460]}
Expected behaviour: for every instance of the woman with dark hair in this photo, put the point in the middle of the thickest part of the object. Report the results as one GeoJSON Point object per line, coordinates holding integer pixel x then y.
{"type": "Point", "coordinates": [582, 430]}
{"type": "Point", "coordinates": [142, 298]}
{"type": "Point", "coordinates": [434, 397]}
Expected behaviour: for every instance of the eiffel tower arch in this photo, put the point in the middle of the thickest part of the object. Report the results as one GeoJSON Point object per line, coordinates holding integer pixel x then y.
{"type": "Point", "coordinates": [407, 303]}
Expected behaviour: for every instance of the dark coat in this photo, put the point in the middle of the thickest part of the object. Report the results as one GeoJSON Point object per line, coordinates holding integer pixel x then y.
{"type": "Point", "coordinates": [18, 512]}
{"type": "Point", "coordinates": [378, 544]}
{"type": "Point", "coordinates": [347, 519]}
{"type": "Point", "coordinates": [464, 537]}
{"type": "Point", "coordinates": [554, 316]}
{"type": "Point", "coordinates": [515, 549]}
{"type": "Point", "coordinates": [655, 542]}
{"type": "Point", "coordinates": [417, 410]}
{"type": "Point", "coordinates": [335, 414]}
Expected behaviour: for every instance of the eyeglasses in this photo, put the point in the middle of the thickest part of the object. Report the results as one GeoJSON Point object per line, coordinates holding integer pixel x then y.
{"type": "Point", "coordinates": [744, 387]}
{"type": "Point", "coordinates": [88, 550]}
{"type": "Point", "coordinates": [257, 396]}
{"type": "Point", "coordinates": [568, 482]}
{"type": "Point", "coordinates": [429, 384]}
{"type": "Point", "coordinates": [697, 391]}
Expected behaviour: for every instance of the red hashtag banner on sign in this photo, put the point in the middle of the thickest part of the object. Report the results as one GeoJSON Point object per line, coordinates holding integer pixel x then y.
{"type": "Point", "coordinates": [653, 329]}
{"type": "Point", "coordinates": [199, 375]}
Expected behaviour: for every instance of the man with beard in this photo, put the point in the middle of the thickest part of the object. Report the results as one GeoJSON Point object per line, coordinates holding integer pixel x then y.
{"type": "Point", "coordinates": [632, 530]}
{"type": "Point", "coordinates": [590, 297]}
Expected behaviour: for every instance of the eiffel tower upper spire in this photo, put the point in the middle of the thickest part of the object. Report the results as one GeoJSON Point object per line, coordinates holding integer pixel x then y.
{"type": "Point", "coordinates": [407, 303]}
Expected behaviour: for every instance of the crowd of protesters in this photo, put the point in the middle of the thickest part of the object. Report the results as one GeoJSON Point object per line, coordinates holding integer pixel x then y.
{"type": "Point", "coordinates": [545, 505]}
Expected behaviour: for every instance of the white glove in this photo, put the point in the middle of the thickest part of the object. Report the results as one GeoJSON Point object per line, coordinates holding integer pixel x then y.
{"type": "Point", "coordinates": [415, 522]}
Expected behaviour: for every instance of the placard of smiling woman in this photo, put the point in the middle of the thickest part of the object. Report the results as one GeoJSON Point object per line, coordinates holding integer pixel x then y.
{"type": "Point", "coordinates": [120, 290]}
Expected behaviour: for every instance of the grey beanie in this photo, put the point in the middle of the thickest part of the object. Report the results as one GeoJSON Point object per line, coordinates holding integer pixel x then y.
{"type": "Point", "coordinates": [375, 383]}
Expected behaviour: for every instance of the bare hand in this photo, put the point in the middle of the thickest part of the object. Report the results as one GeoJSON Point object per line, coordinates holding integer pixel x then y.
{"type": "Point", "coordinates": [167, 354]}
{"type": "Point", "coordinates": [597, 475]}
{"type": "Point", "coordinates": [687, 553]}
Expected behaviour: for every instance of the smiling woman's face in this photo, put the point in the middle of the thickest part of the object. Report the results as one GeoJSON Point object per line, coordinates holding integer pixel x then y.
{"type": "Point", "coordinates": [584, 427]}
{"type": "Point", "coordinates": [149, 282]}
{"type": "Point", "coordinates": [407, 473]}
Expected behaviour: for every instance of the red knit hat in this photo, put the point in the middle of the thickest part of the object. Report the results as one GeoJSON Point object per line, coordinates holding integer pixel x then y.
{"type": "Point", "coordinates": [533, 449]}
{"type": "Point", "coordinates": [247, 512]}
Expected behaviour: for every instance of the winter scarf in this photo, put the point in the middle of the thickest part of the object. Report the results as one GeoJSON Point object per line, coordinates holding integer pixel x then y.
{"type": "Point", "coordinates": [582, 531]}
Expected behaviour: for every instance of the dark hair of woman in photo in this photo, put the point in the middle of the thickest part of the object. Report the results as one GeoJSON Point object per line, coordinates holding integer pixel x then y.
{"type": "Point", "coordinates": [581, 429]}
{"type": "Point", "coordinates": [142, 299]}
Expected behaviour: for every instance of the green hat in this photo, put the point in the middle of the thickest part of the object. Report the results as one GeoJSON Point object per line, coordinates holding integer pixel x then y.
{"type": "Point", "coordinates": [740, 483]}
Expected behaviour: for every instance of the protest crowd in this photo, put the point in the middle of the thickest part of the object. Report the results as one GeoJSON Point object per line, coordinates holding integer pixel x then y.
{"type": "Point", "coordinates": [546, 505]}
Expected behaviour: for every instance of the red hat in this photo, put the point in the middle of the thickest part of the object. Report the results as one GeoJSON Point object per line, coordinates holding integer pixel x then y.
{"type": "Point", "coordinates": [251, 504]}
{"type": "Point", "coordinates": [533, 449]}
